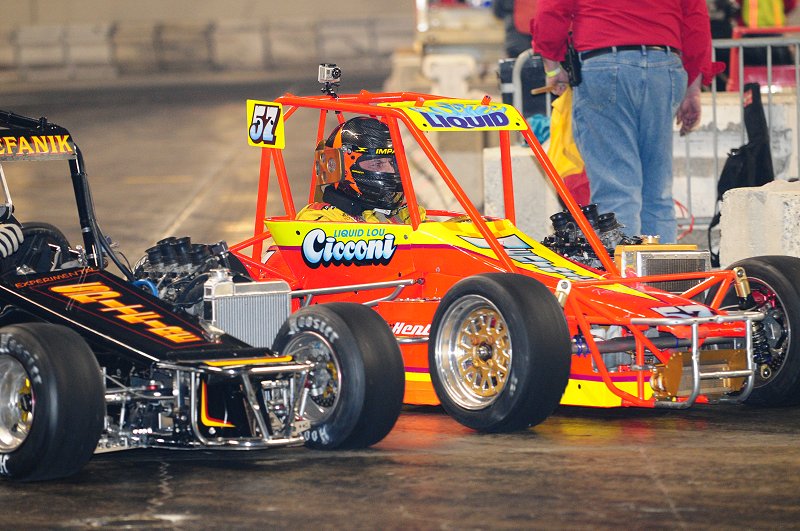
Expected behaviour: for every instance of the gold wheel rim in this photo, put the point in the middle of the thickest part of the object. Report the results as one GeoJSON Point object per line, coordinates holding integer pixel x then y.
{"type": "Point", "coordinates": [473, 352]}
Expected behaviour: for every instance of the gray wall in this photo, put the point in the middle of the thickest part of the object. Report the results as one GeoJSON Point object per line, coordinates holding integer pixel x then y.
{"type": "Point", "coordinates": [53, 40]}
{"type": "Point", "coordinates": [44, 12]}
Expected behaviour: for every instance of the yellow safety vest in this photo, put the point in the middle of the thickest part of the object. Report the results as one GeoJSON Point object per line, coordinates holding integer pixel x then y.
{"type": "Point", "coordinates": [763, 13]}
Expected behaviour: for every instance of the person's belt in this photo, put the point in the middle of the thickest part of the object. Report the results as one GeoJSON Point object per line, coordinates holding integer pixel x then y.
{"type": "Point", "coordinates": [628, 48]}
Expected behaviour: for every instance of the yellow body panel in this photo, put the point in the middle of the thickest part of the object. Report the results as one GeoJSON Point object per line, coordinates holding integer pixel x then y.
{"type": "Point", "coordinates": [527, 253]}
{"type": "Point", "coordinates": [461, 115]}
{"type": "Point", "coordinates": [591, 393]}
{"type": "Point", "coordinates": [247, 361]}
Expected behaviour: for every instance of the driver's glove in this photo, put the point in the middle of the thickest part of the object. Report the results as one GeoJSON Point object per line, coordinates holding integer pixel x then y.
{"type": "Point", "coordinates": [10, 238]}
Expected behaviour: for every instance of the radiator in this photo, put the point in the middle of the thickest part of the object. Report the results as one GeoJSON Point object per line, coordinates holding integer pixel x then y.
{"type": "Point", "coordinates": [250, 311]}
{"type": "Point", "coordinates": [663, 260]}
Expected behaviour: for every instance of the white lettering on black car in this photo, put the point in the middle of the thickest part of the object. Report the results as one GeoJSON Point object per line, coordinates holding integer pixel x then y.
{"type": "Point", "coordinates": [320, 249]}
{"type": "Point", "coordinates": [4, 464]}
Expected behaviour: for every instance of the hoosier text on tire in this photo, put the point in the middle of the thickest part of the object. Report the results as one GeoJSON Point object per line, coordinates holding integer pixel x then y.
{"type": "Point", "coordinates": [357, 384]}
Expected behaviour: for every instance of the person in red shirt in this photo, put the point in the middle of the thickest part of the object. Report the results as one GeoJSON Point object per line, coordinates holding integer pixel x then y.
{"type": "Point", "coordinates": [642, 63]}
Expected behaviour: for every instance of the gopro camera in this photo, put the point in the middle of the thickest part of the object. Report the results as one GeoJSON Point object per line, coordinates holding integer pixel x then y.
{"type": "Point", "coordinates": [329, 73]}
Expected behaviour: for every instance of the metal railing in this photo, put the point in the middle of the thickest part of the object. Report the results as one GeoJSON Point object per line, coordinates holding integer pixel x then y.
{"type": "Point", "coordinates": [702, 154]}
{"type": "Point", "coordinates": [771, 85]}
{"type": "Point", "coordinates": [701, 166]}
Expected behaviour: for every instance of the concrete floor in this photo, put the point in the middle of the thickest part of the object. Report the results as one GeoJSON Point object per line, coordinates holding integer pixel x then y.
{"type": "Point", "coordinates": [172, 159]}
{"type": "Point", "coordinates": [719, 468]}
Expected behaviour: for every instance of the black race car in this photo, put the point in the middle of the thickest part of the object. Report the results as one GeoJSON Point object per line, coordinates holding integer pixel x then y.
{"type": "Point", "coordinates": [93, 360]}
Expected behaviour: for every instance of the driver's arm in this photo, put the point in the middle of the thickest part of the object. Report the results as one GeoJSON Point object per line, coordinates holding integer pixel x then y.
{"type": "Point", "coordinates": [10, 238]}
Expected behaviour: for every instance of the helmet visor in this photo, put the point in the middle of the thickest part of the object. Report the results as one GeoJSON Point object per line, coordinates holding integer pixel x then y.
{"type": "Point", "coordinates": [378, 164]}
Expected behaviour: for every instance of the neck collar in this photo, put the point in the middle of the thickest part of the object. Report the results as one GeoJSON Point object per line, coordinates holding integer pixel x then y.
{"type": "Point", "coordinates": [349, 205]}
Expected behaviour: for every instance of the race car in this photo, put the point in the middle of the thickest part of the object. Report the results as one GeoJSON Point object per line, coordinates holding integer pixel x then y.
{"type": "Point", "coordinates": [496, 327]}
{"type": "Point", "coordinates": [94, 361]}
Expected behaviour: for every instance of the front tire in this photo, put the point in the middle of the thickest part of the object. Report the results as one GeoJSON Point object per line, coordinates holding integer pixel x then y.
{"type": "Point", "coordinates": [52, 402]}
{"type": "Point", "coordinates": [499, 352]}
{"type": "Point", "coordinates": [775, 289]}
{"type": "Point", "coordinates": [357, 383]}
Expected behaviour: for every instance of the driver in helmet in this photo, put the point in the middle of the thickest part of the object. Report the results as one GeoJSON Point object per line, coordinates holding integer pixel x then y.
{"type": "Point", "coordinates": [358, 168]}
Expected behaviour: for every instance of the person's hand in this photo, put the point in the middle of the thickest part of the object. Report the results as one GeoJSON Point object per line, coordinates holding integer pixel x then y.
{"type": "Point", "coordinates": [688, 115]}
{"type": "Point", "coordinates": [555, 76]}
{"type": "Point", "coordinates": [10, 238]}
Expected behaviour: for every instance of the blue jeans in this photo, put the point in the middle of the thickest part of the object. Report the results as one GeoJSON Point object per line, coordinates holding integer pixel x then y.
{"type": "Point", "coordinates": [622, 122]}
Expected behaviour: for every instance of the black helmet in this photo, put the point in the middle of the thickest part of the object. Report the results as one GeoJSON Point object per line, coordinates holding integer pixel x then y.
{"type": "Point", "coordinates": [358, 157]}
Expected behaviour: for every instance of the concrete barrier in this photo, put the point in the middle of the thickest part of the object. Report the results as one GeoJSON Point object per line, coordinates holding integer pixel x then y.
{"type": "Point", "coordinates": [694, 168]}
{"type": "Point", "coordinates": [344, 39]}
{"type": "Point", "coordinates": [763, 218]}
{"type": "Point", "coordinates": [88, 51]}
{"type": "Point", "coordinates": [754, 221]}
{"type": "Point", "coordinates": [184, 46]}
{"type": "Point", "coordinates": [73, 51]}
{"type": "Point", "coordinates": [134, 47]}
{"type": "Point", "coordinates": [760, 221]}
{"type": "Point", "coordinates": [292, 42]}
{"type": "Point", "coordinates": [391, 34]}
{"type": "Point", "coordinates": [535, 199]}
{"type": "Point", "coordinates": [238, 45]}
{"type": "Point", "coordinates": [8, 57]}
{"type": "Point", "coordinates": [41, 52]}
{"type": "Point", "coordinates": [450, 74]}
{"type": "Point", "coordinates": [406, 73]}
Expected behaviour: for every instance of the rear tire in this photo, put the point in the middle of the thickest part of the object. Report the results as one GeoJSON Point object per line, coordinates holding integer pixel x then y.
{"type": "Point", "coordinates": [499, 352]}
{"type": "Point", "coordinates": [52, 402]}
{"type": "Point", "coordinates": [775, 288]}
{"type": "Point", "coordinates": [358, 380]}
